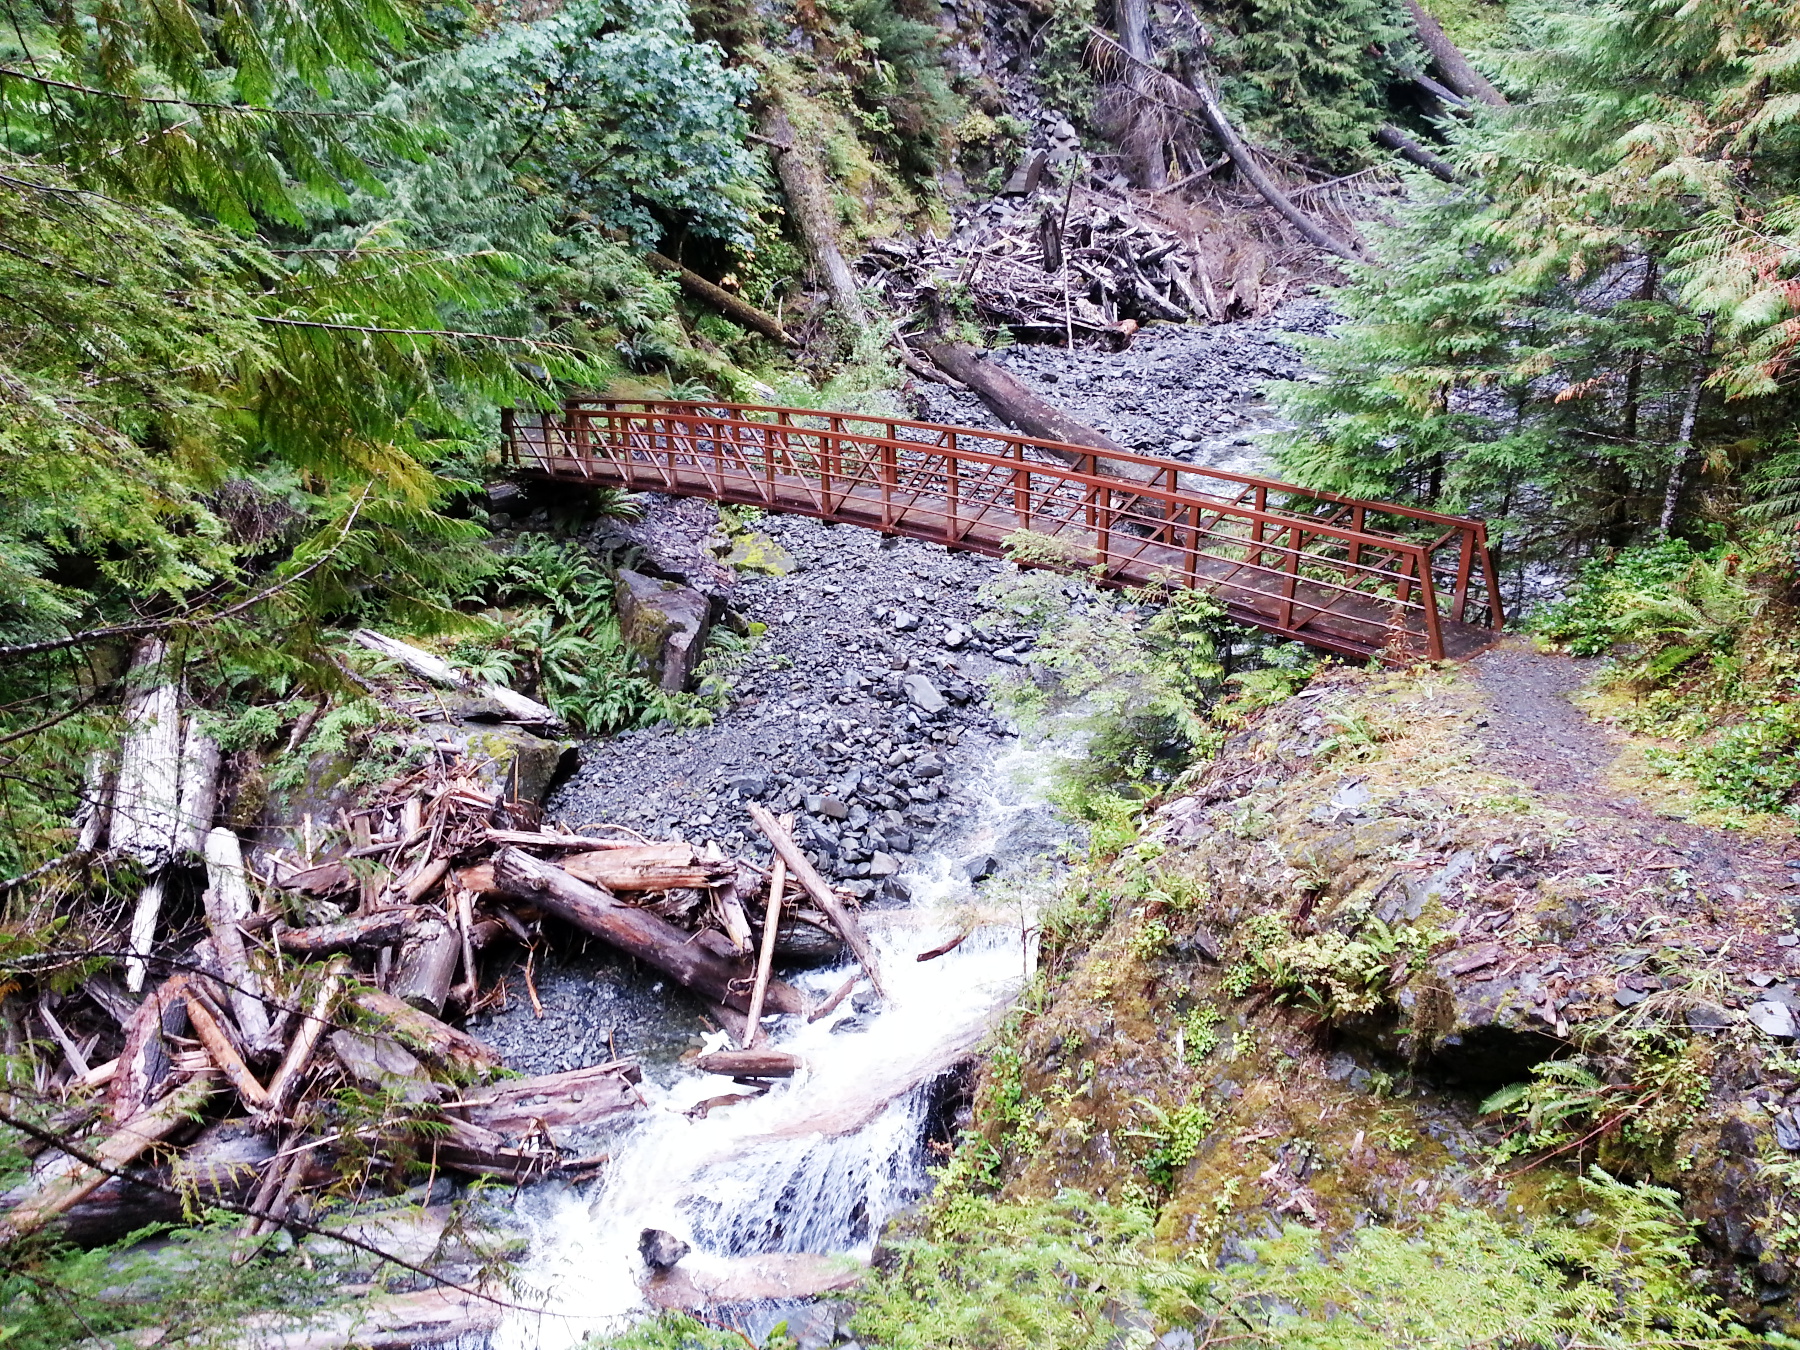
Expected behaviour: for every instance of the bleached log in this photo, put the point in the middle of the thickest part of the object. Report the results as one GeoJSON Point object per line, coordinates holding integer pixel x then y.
{"type": "Point", "coordinates": [199, 790]}
{"type": "Point", "coordinates": [228, 906]}
{"type": "Point", "coordinates": [436, 670]}
{"type": "Point", "coordinates": [751, 1063]}
{"type": "Point", "coordinates": [143, 933]}
{"type": "Point", "coordinates": [576, 1097]}
{"type": "Point", "coordinates": [93, 818]}
{"type": "Point", "coordinates": [147, 800]}
{"type": "Point", "coordinates": [848, 928]}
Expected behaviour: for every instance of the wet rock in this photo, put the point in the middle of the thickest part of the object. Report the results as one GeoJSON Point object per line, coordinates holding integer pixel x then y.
{"type": "Point", "coordinates": [661, 1250]}
{"type": "Point", "coordinates": [979, 867]}
{"type": "Point", "coordinates": [665, 624]}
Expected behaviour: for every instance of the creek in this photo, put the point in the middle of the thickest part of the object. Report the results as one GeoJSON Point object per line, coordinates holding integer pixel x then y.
{"type": "Point", "coordinates": [817, 1165]}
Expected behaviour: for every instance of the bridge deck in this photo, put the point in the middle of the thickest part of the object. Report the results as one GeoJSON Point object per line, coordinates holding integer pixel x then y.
{"type": "Point", "coordinates": [1325, 575]}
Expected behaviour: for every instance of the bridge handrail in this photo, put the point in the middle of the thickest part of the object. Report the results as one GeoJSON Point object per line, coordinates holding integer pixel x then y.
{"type": "Point", "coordinates": [1018, 438]}
{"type": "Point", "coordinates": [583, 432]}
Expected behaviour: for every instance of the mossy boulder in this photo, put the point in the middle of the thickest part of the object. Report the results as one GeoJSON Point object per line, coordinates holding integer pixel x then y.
{"type": "Point", "coordinates": [520, 765]}
{"type": "Point", "coordinates": [756, 552]}
{"type": "Point", "coordinates": [664, 624]}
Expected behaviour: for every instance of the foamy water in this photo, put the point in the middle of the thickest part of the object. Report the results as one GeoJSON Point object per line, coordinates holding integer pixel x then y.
{"type": "Point", "coordinates": [820, 1162]}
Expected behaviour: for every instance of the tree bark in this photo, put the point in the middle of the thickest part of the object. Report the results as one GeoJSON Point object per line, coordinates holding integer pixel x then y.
{"type": "Point", "coordinates": [637, 932]}
{"type": "Point", "coordinates": [1144, 136]}
{"type": "Point", "coordinates": [577, 1097]}
{"type": "Point", "coordinates": [1411, 151]}
{"type": "Point", "coordinates": [1448, 57]}
{"type": "Point", "coordinates": [1687, 453]}
{"type": "Point", "coordinates": [812, 217]}
{"type": "Point", "coordinates": [738, 311]}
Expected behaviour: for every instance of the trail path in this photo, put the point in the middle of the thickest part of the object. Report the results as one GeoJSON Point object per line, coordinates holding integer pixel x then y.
{"type": "Point", "coordinates": [1739, 885]}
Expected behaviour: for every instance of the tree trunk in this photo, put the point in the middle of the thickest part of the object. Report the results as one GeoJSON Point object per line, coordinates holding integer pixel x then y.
{"type": "Point", "coordinates": [424, 1034]}
{"type": "Point", "coordinates": [811, 214]}
{"type": "Point", "coordinates": [1144, 135]}
{"type": "Point", "coordinates": [723, 300]}
{"type": "Point", "coordinates": [1688, 455]}
{"type": "Point", "coordinates": [1410, 150]}
{"type": "Point", "coordinates": [1448, 57]}
{"type": "Point", "coordinates": [428, 966]}
{"type": "Point", "coordinates": [637, 932]}
{"type": "Point", "coordinates": [1020, 407]}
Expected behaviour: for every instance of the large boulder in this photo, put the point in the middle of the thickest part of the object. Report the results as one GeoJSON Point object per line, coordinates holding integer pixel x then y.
{"type": "Point", "coordinates": [665, 625]}
{"type": "Point", "coordinates": [520, 765]}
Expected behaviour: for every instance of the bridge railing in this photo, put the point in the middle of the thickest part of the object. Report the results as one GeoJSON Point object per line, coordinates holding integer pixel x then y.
{"type": "Point", "coordinates": [1352, 576]}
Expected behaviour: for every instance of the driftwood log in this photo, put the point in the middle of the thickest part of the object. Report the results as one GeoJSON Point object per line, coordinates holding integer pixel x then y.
{"type": "Point", "coordinates": [637, 932]}
{"type": "Point", "coordinates": [555, 1100]}
{"type": "Point", "coordinates": [822, 895]}
{"type": "Point", "coordinates": [436, 670]}
{"type": "Point", "coordinates": [811, 216]}
{"type": "Point", "coordinates": [428, 966]}
{"type": "Point", "coordinates": [761, 1063]}
{"type": "Point", "coordinates": [228, 907]}
{"type": "Point", "coordinates": [437, 1041]}
{"type": "Point", "coordinates": [378, 928]}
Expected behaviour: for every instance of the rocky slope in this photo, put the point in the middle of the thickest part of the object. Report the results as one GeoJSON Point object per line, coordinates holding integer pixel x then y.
{"type": "Point", "coordinates": [1387, 898]}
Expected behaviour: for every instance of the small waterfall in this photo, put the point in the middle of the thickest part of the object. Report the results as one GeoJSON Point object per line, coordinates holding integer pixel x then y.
{"type": "Point", "coordinates": [817, 1165]}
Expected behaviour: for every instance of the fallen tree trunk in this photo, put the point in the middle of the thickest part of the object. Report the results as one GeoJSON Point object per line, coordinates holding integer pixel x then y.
{"type": "Point", "coordinates": [738, 311]}
{"type": "Point", "coordinates": [576, 1097]}
{"type": "Point", "coordinates": [1410, 150]}
{"type": "Point", "coordinates": [306, 1039]}
{"type": "Point", "coordinates": [114, 1154]}
{"type": "Point", "coordinates": [637, 932]}
{"type": "Point", "coordinates": [436, 670]}
{"type": "Point", "coordinates": [1448, 57]}
{"type": "Point", "coordinates": [225, 1055]}
{"type": "Point", "coordinates": [812, 217]}
{"type": "Point", "coordinates": [821, 894]}
{"type": "Point", "coordinates": [1023, 409]}
{"type": "Point", "coordinates": [379, 928]}
{"type": "Point", "coordinates": [645, 867]}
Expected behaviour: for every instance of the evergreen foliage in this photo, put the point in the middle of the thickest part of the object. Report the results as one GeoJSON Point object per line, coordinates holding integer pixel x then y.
{"type": "Point", "coordinates": [1529, 348]}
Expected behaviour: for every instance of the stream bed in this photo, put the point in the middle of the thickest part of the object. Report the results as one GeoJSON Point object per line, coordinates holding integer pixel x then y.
{"type": "Point", "coordinates": [783, 1195]}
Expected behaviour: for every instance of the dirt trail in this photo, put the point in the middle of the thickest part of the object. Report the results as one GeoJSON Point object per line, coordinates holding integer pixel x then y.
{"type": "Point", "coordinates": [1538, 736]}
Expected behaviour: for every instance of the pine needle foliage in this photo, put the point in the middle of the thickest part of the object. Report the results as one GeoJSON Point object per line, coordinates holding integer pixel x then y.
{"type": "Point", "coordinates": [1529, 349]}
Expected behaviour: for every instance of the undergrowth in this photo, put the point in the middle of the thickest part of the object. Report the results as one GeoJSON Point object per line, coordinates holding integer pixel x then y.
{"type": "Point", "coordinates": [1704, 655]}
{"type": "Point", "coordinates": [1076, 1273]}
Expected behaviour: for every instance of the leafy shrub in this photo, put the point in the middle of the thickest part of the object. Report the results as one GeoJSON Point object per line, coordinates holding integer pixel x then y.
{"type": "Point", "coordinates": [1602, 608]}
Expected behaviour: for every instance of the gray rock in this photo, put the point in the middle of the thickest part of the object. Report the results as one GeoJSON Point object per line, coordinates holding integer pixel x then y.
{"type": "Point", "coordinates": [748, 784]}
{"type": "Point", "coordinates": [1772, 1019]}
{"type": "Point", "coordinates": [980, 867]}
{"type": "Point", "coordinates": [923, 694]}
{"type": "Point", "coordinates": [880, 865]}
{"type": "Point", "coordinates": [831, 807]}
{"type": "Point", "coordinates": [661, 1250]}
{"type": "Point", "coordinates": [928, 766]}
{"type": "Point", "coordinates": [1787, 1131]}
{"type": "Point", "coordinates": [665, 625]}
{"type": "Point", "coordinates": [517, 763]}
{"type": "Point", "coordinates": [903, 621]}
{"type": "Point", "coordinates": [956, 636]}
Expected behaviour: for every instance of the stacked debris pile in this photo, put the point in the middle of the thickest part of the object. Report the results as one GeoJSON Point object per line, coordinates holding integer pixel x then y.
{"type": "Point", "coordinates": [1064, 264]}
{"type": "Point", "coordinates": [301, 1040]}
